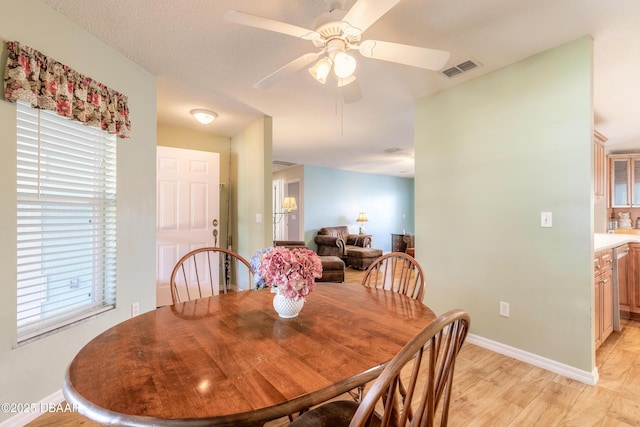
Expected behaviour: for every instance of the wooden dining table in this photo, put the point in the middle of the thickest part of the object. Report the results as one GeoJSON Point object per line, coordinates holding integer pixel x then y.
{"type": "Point", "coordinates": [229, 360]}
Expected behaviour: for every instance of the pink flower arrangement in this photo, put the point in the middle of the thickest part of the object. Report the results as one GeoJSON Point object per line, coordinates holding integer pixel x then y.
{"type": "Point", "coordinates": [291, 271]}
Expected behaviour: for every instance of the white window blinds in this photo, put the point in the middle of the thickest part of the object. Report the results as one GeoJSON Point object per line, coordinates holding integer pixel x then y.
{"type": "Point", "coordinates": [66, 187]}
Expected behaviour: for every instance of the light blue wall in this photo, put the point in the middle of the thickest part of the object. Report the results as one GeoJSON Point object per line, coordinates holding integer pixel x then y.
{"type": "Point", "coordinates": [335, 197]}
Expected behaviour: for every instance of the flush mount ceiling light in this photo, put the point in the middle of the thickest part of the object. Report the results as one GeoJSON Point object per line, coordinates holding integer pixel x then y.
{"type": "Point", "coordinates": [204, 116]}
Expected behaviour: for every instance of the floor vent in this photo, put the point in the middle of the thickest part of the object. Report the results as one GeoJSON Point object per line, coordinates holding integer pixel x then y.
{"type": "Point", "coordinates": [461, 68]}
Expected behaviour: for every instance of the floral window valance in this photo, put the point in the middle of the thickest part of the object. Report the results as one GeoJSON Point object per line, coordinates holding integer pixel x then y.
{"type": "Point", "coordinates": [45, 83]}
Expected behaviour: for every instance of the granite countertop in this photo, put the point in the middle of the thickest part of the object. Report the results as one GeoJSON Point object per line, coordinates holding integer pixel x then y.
{"type": "Point", "coordinates": [602, 241]}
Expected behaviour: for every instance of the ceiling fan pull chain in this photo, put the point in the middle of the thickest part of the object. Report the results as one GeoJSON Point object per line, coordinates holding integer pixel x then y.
{"type": "Point", "coordinates": [339, 110]}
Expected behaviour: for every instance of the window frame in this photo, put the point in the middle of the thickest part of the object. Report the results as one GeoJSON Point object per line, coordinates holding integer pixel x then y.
{"type": "Point", "coordinates": [66, 222]}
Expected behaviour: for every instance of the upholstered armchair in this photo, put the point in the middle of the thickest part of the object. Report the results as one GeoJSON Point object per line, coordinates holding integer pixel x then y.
{"type": "Point", "coordinates": [336, 241]}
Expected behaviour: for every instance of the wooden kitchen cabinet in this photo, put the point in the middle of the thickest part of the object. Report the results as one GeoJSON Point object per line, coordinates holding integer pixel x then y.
{"type": "Point", "coordinates": [603, 294]}
{"type": "Point", "coordinates": [599, 165]}
{"type": "Point", "coordinates": [624, 180]}
{"type": "Point", "coordinates": [630, 297]}
{"type": "Point", "coordinates": [624, 291]}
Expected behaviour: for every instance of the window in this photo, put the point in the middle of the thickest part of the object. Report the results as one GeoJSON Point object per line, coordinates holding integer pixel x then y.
{"type": "Point", "coordinates": [66, 221]}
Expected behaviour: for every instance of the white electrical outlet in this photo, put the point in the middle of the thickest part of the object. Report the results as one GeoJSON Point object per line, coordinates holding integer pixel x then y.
{"type": "Point", "coordinates": [504, 309]}
{"type": "Point", "coordinates": [135, 309]}
{"type": "Point", "coordinates": [546, 219]}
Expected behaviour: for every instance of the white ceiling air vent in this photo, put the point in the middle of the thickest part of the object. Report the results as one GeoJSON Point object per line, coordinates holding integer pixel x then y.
{"type": "Point", "coordinates": [461, 68]}
{"type": "Point", "coordinates": [392, 150]}
{"type": "Point", "coordinates": [282, 163]}
{"type": "Point", "coordinates": [277, 165]}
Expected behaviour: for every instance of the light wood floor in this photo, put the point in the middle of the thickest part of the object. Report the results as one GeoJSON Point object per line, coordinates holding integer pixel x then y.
{"type": "Point", "coordinates": [495, 390]}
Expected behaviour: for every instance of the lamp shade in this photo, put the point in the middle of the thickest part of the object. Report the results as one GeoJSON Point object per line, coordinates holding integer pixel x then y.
{"type": "Point", "coordinates": [346, 81]}
{"type": "Point", "coordinates": [321, 70]}
{"type": "Point", "coordinates": [289, 203]}
{"type": "Point", "coordinates": [362, 217]}
{"type": "Point", "coordinates": [344, 65]}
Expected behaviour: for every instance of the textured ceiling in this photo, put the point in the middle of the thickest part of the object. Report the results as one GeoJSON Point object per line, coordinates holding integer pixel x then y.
{"type": "Point", "coordinates": [202, 61]}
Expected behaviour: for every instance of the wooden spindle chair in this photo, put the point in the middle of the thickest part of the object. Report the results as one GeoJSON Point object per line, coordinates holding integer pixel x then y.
{"type": "Point", "coordinates": [398, 272]}
{"type": "Point", "coordinates": [194, 275]}
{"type": "Point", "coordinates": [426, 365]}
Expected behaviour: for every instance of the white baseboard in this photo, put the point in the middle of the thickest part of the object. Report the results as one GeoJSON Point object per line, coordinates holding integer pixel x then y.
{"type": "Point", "coordinates": [589, 378]}
{"type": "Point", "coordinates": [34, 410]}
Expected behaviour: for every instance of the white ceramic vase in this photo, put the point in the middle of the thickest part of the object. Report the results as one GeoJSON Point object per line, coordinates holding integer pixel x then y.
{"type": "Point", "coordinates": [286, 307]}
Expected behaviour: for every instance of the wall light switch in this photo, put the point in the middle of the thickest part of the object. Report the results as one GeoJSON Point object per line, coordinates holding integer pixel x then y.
{"type": "Point", "coordinates": [504, 309]}
{"type": "Point", "coordinates": [258, 218]}
{"type": "Point", "coordinates": [546, 219]}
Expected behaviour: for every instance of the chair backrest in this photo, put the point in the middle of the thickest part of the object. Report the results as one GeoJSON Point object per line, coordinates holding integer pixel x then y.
{"type": "Point", "coordinates": [200, 273]}
{"type": "Point", "coordinates": [415, 386]}
{"type": "Point", "coordinates": [290, 243]}
{"type": "Point", "coordinates": [398, 272]}
{"type": "Point", "coordinates": [340, 231]}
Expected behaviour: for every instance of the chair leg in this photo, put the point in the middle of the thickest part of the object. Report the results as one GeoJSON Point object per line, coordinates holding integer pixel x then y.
{"type": "Point", "coordinates": [357, 394]}
{"type": "Point", "coordinates": [291, 418]}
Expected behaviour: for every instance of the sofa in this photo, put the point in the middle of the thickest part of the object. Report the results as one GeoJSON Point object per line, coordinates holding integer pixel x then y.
{"type": "Point", "coordinates": [332, 266]}
{"type": "Point", "coordinates": [336, 241]}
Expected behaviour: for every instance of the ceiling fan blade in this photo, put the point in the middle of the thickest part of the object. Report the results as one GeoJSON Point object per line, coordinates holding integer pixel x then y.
{"type": "Point", "coordinates": [365, 12]}
{"type": "Point", "coordinates": [351, 92]}
{"type": "Point", "coordinates": [271, 25]}
{"type": "Point", "coordinates": [422, 57]}
{"type": "Point", "coordinates": [288, 69]}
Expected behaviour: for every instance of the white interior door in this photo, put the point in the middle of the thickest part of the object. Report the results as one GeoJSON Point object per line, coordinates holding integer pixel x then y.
{"type": "Point", "coordinates": [188, 205]}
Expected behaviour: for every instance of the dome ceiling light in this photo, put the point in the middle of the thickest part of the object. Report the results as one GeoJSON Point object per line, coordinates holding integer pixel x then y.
{"type": "Point", "coordinates": [203, 116]}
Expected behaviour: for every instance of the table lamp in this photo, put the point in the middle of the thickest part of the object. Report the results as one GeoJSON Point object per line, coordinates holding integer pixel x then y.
{"type": "Point", "coordinates": [289, 203]}
{"type": "Point", "coordinates": [362, 218]}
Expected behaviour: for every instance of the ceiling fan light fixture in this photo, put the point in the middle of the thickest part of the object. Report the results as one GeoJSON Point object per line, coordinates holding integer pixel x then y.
{"type": "Point", "coordinates": [204, 116]}
{"type": "Point", "coordinates": [344, 65]}
{"type": "Point", "coordinates": [321, 70]}
{"type": "Point", "coordinates": [346, 81]}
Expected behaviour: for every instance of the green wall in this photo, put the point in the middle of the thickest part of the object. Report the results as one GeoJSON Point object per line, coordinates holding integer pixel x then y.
{"type": "Point", "coordinates": [34, 371]}
{"type": "Point", "coordinates": [335, 197]}
{"type": "Point", "coordinates": [491, 154]}
{"type": "Point", "coordinates": [252, 210]}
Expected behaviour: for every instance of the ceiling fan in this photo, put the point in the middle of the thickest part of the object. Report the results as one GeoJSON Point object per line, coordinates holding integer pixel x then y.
{"type": "Point", "coordinates": [338, 32]}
